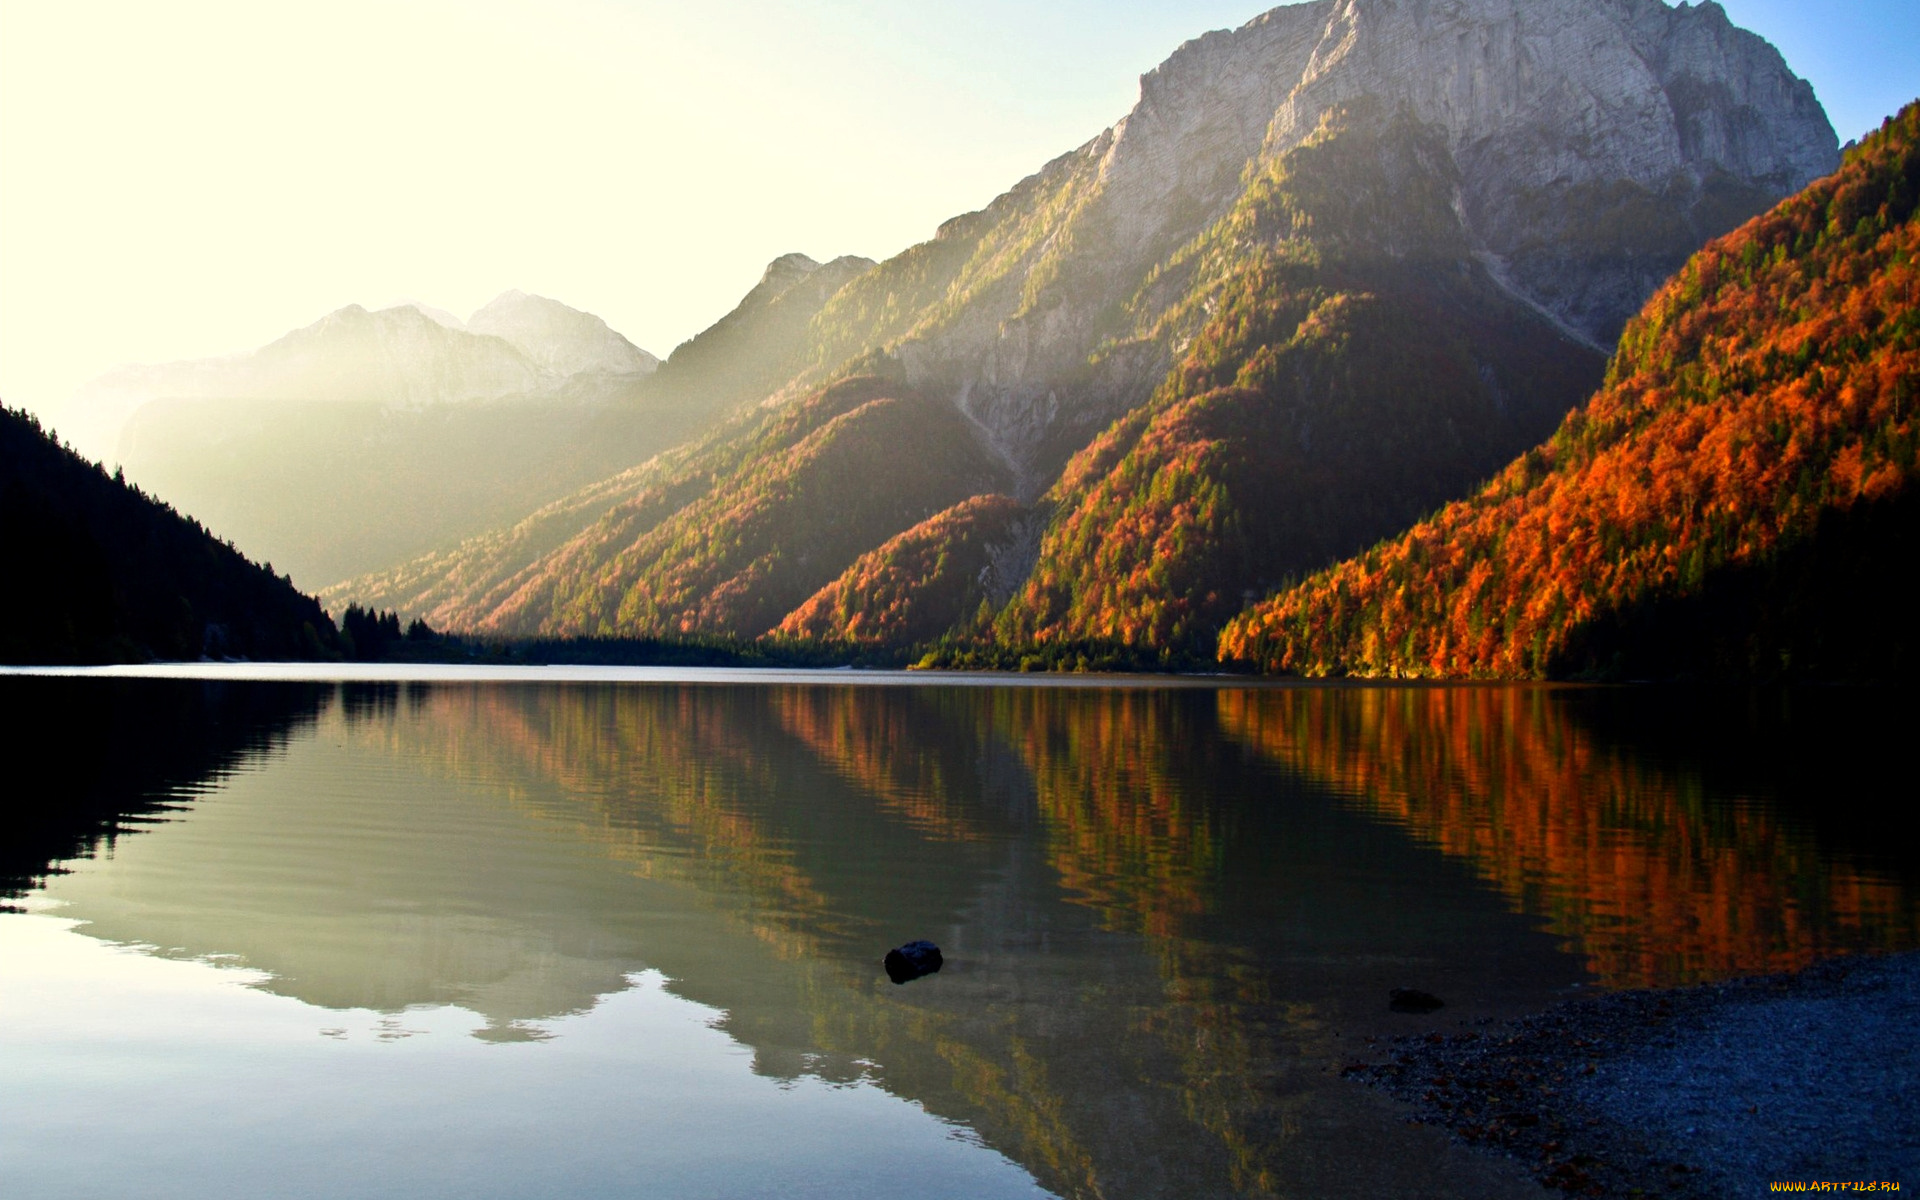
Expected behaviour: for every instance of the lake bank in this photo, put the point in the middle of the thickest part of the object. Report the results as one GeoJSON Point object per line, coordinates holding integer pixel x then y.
{"type": "Point", "coordinates": [1708, 1091]}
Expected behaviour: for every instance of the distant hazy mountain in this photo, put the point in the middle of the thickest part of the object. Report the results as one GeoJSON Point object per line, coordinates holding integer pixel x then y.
{"type": "Point", "coordinates": [437, 314]}
{"type": "Point", "coordinates": [562, 340]}
{"type": "Point", "coordinates": [727, 369]}
{"type": "Point", "coordinates": [368, 437]}
{"type": "Point", "coordinates": [1335, 267]}
{"type": "Point", "coordinates": [1739, 501]}
{"type": "Point", "coordinates": [406, 356]}
{"type": "Point", "coordinates": [99, 572]}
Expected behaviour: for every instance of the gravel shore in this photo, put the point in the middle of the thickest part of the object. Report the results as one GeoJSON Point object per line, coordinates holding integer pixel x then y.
{"type": "Point", "coordinates": [1713, 1091]}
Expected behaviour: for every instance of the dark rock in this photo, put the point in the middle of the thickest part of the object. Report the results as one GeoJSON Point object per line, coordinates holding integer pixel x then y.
{"type": "Point", "coordinates": [912, 960]}
{"type": "Point", "coordinates": [1413, 1000]}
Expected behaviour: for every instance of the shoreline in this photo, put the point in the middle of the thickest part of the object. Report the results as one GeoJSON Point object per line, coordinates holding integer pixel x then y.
{"type": "Point", "coordinates": [1715, 1090]}
{"type": "Point", "coordinates": [485, 671]}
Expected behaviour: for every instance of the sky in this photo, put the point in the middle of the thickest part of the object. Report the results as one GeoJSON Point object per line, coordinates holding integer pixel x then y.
{"type": "Point", "coordinates": [199, 177]}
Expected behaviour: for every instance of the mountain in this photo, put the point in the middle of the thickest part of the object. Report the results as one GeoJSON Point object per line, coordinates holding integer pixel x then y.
{"type": "Point", "coordinates": [1738, 501]}
{"type": "Point", "coordinates": [1335, 267]}
{"type": "Point", "coordinates": [438, 315]}
{"type": "Point", "coordinates": [1359, 366]}
{"type": "Point", "coordinates": [720, 372]}
{"type": "Point", "coordinates": [562, 340]}
{"type": "Point", "coordinates": [735, 362]}
{"type": "Point", "coordinates": [101, 572]}
{"type": "Point", "coordinates": [368, 437]}
{"type": "Point", "coordinates": [1590, 148]}
{"type": "Point", "coordinates": [400, 357]}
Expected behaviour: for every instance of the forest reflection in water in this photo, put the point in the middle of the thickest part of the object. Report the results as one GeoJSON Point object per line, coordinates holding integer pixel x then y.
{"type": "Point", "coordinates": [1162, 909]}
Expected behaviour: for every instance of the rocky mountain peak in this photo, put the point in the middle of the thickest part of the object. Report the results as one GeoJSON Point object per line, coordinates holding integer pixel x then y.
{"type": "Point", "coordinates": [1590, 146]}
{"type": "Point", "coordinates": [1653, 128]}
{"type": "Point", "coordinates": [787, 268]}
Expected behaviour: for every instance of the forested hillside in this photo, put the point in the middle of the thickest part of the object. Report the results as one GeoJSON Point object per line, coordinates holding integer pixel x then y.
{"type": "Point", "coordinates": [732, 537]}
{"type": "Point", "coordinates": [955, 565]}
{"type": "Point", "coordinates": [100, 572]}
{"type": "Point", "coordinates": [1737, 501]}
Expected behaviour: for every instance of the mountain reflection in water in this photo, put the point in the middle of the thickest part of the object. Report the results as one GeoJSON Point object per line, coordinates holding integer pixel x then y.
{"type": "Point", "coordinates": [1652, 873]}
{"type": "Point", "coordinates": [1162, 910]}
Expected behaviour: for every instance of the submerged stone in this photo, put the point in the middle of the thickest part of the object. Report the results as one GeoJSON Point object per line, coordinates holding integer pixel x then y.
{"type": "Point", "coordinates": [911, 961]}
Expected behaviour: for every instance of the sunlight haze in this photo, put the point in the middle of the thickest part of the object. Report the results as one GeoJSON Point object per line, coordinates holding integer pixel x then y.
{"type": "Point", "coordinates": [196, 179]}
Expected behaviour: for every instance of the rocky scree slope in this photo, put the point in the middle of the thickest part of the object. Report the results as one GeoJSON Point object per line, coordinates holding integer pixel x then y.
{"type": "Point", "coordinates": [1738, 501]}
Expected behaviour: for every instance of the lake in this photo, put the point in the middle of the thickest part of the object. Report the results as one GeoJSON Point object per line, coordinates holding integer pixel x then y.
{"type": "Point", "coordinates": [597, 933]}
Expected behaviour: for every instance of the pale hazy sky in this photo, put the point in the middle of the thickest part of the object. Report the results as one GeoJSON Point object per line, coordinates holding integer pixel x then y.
{"type": "Point", "coordinates": [191, 178]}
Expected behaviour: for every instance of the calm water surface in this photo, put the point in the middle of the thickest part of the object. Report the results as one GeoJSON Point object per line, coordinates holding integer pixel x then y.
{"type": "Point", "coordinates": [621, 935]}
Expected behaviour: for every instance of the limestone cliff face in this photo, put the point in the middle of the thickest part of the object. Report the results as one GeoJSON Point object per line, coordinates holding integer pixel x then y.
{"type": "Point", "coordinates": [1597, 143]}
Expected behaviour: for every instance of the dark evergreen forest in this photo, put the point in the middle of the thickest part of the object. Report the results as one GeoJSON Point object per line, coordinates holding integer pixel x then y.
{"type": "Point", "coordinates": [98, 572]}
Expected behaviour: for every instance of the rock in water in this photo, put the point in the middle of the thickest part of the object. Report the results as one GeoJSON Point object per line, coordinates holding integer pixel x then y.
{"type": "Point", "coordinates": [911, 961]}
{"type": "Point", "coordinates": [1413, 1000]}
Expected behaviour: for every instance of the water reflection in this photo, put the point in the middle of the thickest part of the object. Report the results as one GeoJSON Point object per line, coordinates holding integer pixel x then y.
{"type": "Point", "coordinates": [1162, 911]}
{"type": "Point", "coordinates": [1652, 875]}
{"type": "Point", "coordinates": [90, 760]}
